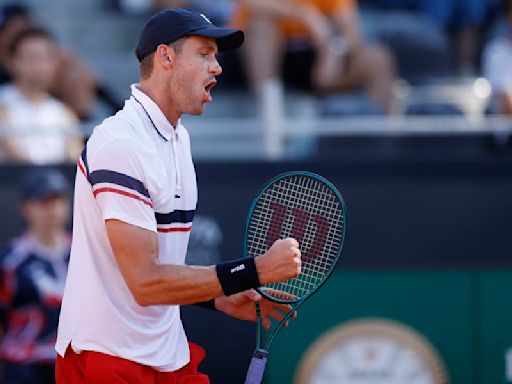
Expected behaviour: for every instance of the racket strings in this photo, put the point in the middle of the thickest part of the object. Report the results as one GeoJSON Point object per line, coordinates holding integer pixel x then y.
{"type": "Point", "coordinates": [304, 207]}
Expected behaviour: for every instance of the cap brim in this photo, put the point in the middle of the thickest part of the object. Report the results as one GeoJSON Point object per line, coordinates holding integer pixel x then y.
{"type": "Point", "coordinates": [227, 38]}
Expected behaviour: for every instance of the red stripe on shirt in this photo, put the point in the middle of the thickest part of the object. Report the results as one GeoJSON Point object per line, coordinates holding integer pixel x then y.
{"type": "Point", "coordinates": [82, 168]}
{"type": "Point", "coordinates": [175, 229]}
{"type": "Point", "coordinates": [120, 192]}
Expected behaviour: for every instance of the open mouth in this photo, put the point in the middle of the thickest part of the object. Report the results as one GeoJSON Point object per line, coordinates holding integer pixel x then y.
{"type": "Point", "coordinates": [210, 86]}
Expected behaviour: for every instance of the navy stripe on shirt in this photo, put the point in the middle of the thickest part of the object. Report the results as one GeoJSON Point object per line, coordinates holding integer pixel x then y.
{"type": "Point", "coordinates": [113, 177]}
{"type": "Point", "coordinates": [84, 159]}
{"type": "Point", "coordinates": [175, 217]}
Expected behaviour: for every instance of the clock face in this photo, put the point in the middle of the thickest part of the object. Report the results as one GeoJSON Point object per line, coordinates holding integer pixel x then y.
{"type": "Point", "coordinates": [371, 352]}
{"type": "Point", "coordinates": [371, 361]}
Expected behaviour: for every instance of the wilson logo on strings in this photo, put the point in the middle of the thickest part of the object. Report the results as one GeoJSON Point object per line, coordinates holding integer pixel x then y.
{"type": "Point", "coordinates": [301, 219]}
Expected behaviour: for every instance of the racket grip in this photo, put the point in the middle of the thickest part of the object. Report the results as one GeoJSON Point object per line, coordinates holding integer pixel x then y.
{"type": "Point", "coordinates": [257, 367]}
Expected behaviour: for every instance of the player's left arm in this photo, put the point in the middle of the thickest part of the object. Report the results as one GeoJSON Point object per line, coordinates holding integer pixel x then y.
{"type": "Point", "coordinates": [241, 306]}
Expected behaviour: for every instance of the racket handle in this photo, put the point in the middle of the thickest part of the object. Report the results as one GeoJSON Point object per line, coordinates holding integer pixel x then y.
{"type": "Point", "coordinates": [257, 367]}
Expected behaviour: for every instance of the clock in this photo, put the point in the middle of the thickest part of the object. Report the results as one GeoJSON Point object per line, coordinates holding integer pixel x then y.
{"type": "Point", "coordinates": [371, 351]}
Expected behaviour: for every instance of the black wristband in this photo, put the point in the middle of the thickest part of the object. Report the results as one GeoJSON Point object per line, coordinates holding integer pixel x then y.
{"type": "Point", "coordinates": [237, 275]}
{"type": "Point", "coordinates": [207, 305]}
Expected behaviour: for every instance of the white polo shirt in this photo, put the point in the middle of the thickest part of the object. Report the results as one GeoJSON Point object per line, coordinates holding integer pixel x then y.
{"type": "Point", "coordinates": [39, 129]}
{"type": "Point", "coordinates": [138, 169]}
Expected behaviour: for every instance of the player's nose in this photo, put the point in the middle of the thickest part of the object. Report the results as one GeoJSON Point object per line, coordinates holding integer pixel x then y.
{"type": "Point", "coordinates": [215, 68]}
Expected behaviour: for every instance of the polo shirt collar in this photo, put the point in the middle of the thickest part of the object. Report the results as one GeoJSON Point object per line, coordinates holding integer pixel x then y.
{"type": "Point", "coordinates": [163, 127]}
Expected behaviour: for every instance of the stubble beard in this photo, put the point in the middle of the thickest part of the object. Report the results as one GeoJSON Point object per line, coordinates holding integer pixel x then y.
{"type": "Point", "coordinates": [183, 100]}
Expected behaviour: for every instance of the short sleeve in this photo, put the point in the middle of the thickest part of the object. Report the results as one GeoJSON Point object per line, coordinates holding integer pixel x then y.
{"type": "Point", "coordinates": [120, 185]}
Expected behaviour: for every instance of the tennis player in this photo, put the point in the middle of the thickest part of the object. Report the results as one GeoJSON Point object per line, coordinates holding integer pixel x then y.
{"type": "Point", "coordinates": [135, 199]}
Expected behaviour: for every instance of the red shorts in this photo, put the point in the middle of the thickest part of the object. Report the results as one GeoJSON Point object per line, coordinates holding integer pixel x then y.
{"type": "Point", "coordinates": [98, 368]}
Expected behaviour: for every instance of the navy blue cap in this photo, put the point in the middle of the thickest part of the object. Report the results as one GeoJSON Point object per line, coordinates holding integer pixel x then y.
{"type": "Point", "coordinates": [39, 183]}
{"type": "Point", "coordinates": [174, 23]}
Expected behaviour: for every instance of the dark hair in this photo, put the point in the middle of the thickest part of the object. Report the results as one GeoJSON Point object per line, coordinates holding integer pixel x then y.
{"type": "Point", "coordinates": [29, 33]}
{"type": "Point", "coordinates": [146, 64]}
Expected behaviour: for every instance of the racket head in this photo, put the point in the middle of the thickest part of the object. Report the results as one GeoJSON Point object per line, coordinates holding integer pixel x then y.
{"type": "Point", "coordinates": [305, 206]}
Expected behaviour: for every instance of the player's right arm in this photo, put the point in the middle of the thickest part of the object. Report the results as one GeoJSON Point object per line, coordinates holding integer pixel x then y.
{"type": "Point", "coordinates": [151, 283]}
{"type": "Point", "coordinates": [123, 183]}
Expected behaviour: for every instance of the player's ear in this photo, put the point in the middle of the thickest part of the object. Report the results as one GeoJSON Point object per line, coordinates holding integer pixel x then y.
{"type": "Point", "coordinates": [165, 55]}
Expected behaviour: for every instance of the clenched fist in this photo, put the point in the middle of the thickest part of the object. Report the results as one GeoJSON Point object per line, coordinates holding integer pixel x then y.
{"type": "Point", "coordinates": [281, 262]}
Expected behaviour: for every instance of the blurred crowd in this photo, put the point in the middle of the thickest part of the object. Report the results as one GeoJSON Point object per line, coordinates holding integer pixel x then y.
{"type": "Point", "coordinates": [322, 47]}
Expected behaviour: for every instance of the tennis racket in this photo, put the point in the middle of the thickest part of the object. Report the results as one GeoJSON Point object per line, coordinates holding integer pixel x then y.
{"type": "Point", "coordinates": [310, 209]}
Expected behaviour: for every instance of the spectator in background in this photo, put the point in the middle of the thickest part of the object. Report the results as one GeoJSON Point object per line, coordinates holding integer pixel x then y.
{"type": "Point", "coordinates": [333, 54]}
{"type": "Point", "coordinates": [35, 127]}
{"type": "Point", "coordinates": [77, 85]}
{"type": "Point", "coordinates": [463, 18]}
{"type": "Point", "coordinates": [33, 270]}
{"type": "Point", "coordinates": [497, 68]}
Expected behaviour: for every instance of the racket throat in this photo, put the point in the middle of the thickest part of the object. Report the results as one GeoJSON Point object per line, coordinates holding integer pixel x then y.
{"type": "Point", "coordinates": [261, 354]}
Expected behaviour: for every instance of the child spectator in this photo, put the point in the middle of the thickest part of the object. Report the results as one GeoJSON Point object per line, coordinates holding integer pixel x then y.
{"type": "Point", "coordinates": [33, 271]}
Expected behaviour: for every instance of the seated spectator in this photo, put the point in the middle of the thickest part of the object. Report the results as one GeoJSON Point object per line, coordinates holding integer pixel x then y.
{"type": "Point", "coordinates": [333, 55]}
{"type": "Point", "coordinates": [77, 85]}
{"type": "Point", "coordinates": [33, 270]}
{"type": "Point", "coordinates": [34, 127]}
{"type": "Point", "coordinates": [463, 19]}
{"type": "Point", "coordinates": [497, 68]}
